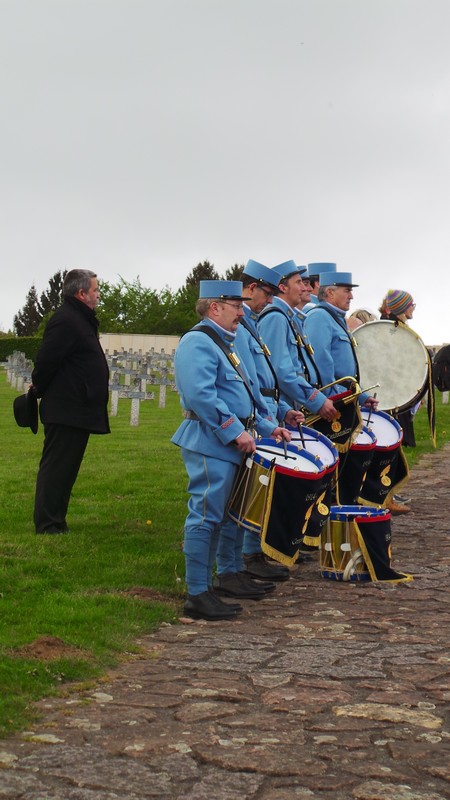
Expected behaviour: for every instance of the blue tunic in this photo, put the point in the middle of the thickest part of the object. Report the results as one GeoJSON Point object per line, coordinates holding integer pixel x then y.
{"type": "Point", "coordinates": [210, 387]}
{"type": "Point", "coordinates": [251, 342]}
{"type": "Point", "coordinates": [279, 333]}
{"type": "Point", "coordinates": [332, 346]}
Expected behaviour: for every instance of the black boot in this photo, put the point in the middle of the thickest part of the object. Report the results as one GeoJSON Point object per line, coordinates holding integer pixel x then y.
{"type": "Point", "coordinates": [232, 606]}
{"type": "Point", "coordinates": [231, 584]}
{"type": "Point", "coordinates": [205, 606]}
{"type": "Point", "coordinates": [257, 566]}
{"type": "Point", "coordinates": [249, 581]}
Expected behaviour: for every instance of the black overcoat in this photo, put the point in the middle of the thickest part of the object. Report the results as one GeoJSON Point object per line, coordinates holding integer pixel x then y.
{"type": "Point", "coordinates": [71, 373]}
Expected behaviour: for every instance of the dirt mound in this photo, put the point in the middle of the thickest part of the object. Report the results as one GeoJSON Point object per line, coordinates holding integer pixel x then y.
{"type": "Point", "coordinates": [49, 648]}
{"type": "Point", "coordinates": [148, 594]}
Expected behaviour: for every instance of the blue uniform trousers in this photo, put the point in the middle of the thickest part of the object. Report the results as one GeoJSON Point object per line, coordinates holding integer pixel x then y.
{"type": "Point", "coordinates": [210, 484]}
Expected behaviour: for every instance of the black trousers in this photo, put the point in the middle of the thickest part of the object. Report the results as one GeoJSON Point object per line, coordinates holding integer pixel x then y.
{"type": "Point", "coordinates": [60, 462]}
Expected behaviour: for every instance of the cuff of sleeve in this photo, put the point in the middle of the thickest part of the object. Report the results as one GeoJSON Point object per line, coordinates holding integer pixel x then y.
{"type": "Point", "coordinates": [229, 430]}
{"type": "Point", "coordinates": [315, 401]}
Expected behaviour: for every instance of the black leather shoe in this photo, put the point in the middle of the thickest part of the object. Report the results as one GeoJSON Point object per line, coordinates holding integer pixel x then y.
{"type": "Point", "coordinates": [265, 586]}
{"type": "Point", "coordinates": [204, 606]}
{"type": "Point", "coordinates": [257, 566]}
{"type": "Point", "coordinates": [232, 606]}
{"type": "Point", "coordinates": [232, 584]}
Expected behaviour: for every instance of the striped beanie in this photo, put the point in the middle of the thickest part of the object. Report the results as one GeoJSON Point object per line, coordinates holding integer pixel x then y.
{"type": "Point", "coordinates": [397, 301]}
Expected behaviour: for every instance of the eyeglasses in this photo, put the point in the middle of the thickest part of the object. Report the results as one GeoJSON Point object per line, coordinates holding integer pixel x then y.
{"type": "Point", "coordinates": [237, 306]}
{"type": "Point", "coordinates": [267, 292]}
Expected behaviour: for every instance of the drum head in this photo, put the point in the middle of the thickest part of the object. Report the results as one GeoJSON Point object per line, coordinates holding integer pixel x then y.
{"type": "Point", "coordinates": [268, 451]}
{"type": "Point", "coordinates": [386, 429]}
{"type": "Point", "coordinates": [396, 358]}
{"type": "Point", "coordinates": [317, 444]}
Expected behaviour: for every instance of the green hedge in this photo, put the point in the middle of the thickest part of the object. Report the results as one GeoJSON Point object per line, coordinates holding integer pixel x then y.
{"type": "Point", "coordinates": [23, 344]}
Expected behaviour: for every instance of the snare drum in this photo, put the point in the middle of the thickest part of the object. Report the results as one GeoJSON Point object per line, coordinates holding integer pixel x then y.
{"type": "Point", "coordinates": [357, 546]}
{"type": "Point", "coordinates": [353, 468]}
{"type": "Point", "coordinates": [341, 557]}
{"type": "Point", "coordinates": [325, 451]}
{"type": "Point", "coordinates": [274, 495]}
{"type": "Point", "coordinates": [388, 469]}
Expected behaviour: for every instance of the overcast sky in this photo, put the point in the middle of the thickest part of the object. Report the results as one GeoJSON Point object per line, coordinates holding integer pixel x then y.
{"type": "Point", "coordinates": [141, 137]}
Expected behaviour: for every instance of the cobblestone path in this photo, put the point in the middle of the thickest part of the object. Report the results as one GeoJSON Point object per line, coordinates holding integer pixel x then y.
{"type": "Point", "coordinates": [322, 690]}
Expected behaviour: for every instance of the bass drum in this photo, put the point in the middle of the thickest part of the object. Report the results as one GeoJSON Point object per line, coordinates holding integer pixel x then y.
{"type": "Point", "coordinates": [396, 358]}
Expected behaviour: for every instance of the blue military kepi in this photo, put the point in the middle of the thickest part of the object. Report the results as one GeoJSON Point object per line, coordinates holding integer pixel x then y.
{"type": "Point", "coordinates": [221, 290]}
{"type": "Point", "coordinates": [260, 273]}
{"type": "Point", "coordinates": [286, 269]}
{"type": "Point", "coordinates": [337, 279]}
{"type": "Point", "coordinates": [318, 267]}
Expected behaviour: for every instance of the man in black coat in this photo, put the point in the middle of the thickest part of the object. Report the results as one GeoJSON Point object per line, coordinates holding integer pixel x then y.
{"type": "Point", "coordinates": [71, 376]}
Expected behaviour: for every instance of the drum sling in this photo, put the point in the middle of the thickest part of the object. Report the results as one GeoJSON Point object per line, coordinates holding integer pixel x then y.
{"type": "Point", "coordinates": [232, 358]}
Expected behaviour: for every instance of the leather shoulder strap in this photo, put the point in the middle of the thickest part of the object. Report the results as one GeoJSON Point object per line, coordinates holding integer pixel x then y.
{"type": "Point", "coordinates": [346, 330]}
{"type": "Point", "coordinates": [266, 353]}
{"type": "Point", "coordinates": [232, 357]}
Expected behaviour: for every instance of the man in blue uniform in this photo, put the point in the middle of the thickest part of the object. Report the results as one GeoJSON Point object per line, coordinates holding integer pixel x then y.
{"type": "Point", "coordinates": [279, 327]}
{"type": "Point", "coordinates": [305, 297]}
{"type": "Point", "coordinates": [326, 328]}
{"type": "Point", "coordinates": [314, 271]}
{"type": "Point", "coordinates": [220, 414]}
{"type": "Point", "coordinates": [259, 285]}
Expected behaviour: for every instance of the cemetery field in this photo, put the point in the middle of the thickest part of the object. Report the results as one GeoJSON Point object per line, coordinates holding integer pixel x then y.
{"type": "Point", "coordinates": [86, 597]}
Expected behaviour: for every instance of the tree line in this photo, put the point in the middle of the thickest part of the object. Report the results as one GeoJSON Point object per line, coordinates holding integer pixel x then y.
{"type": "Point", "coordinates": [128, 306]}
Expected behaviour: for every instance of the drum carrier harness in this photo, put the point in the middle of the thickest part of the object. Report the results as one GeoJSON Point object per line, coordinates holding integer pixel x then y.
{"type": "Point", "coordinates": [353, 344]}
{"type": "Point", "coordinates": [301, 345]}
{"type": "Point", "coordinates": [275, 391]}
{"type": "Point", "coordinates": [249, 422]}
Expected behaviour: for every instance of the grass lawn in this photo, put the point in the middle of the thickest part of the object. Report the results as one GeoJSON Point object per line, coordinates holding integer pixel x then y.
{"type": "Point", "coordinates": [126, 518]}
{"type": "Point", "coordinates": [120, 571]}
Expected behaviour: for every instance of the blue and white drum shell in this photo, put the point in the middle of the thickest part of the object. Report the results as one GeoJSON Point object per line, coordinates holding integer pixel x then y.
{"type": "Point", "coordinates": [388, 432]}
{"type": "Point", "coordinates": [250, 496]}
{"type": "Point", "coordinates": [341, 558]}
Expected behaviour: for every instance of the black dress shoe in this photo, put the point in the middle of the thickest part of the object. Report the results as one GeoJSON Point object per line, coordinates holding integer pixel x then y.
{"type": "Point", "coordinates": [265, 586]}
{"type": "Point", "coordinates": [205, 606]}
{"type": "Point", "coordinates": [257, 566]}
{"type": "Point", "coordinates": [232, 606]}
{"type": "Point", "coordinates": [232, 584]}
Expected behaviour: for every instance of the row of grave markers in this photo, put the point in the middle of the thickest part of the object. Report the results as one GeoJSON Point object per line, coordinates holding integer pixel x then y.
{"type": "Point", "coordinates": [130, 376]}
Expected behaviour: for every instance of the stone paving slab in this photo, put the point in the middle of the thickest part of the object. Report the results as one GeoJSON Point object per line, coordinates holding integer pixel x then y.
{"type": "Point", "coordinates": [323, 691]}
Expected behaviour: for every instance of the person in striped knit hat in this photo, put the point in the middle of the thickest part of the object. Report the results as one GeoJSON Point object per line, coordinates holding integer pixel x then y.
{"type": "Point", "coordinates": [397, 305]}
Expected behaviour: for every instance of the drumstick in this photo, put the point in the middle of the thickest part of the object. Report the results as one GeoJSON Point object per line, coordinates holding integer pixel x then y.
{"type": "Point", "coordinates": [300, 430]}
{"type": "Point", "coordinates": [275, 453]}
{"type": "Point", "coordinates": [370, 411]}
{"type": "Point", "coordinates": [284, 442]}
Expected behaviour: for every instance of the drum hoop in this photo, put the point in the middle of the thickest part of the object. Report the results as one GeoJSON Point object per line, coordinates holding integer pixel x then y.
{"type": "Point", "coordinates": [285, 470]}
{"type": "Point", "coordinates": [355, 513]}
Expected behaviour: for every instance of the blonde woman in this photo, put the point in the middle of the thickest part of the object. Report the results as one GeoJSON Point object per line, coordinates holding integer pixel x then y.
{"type": "Point", "coordinates": [359, 317]}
